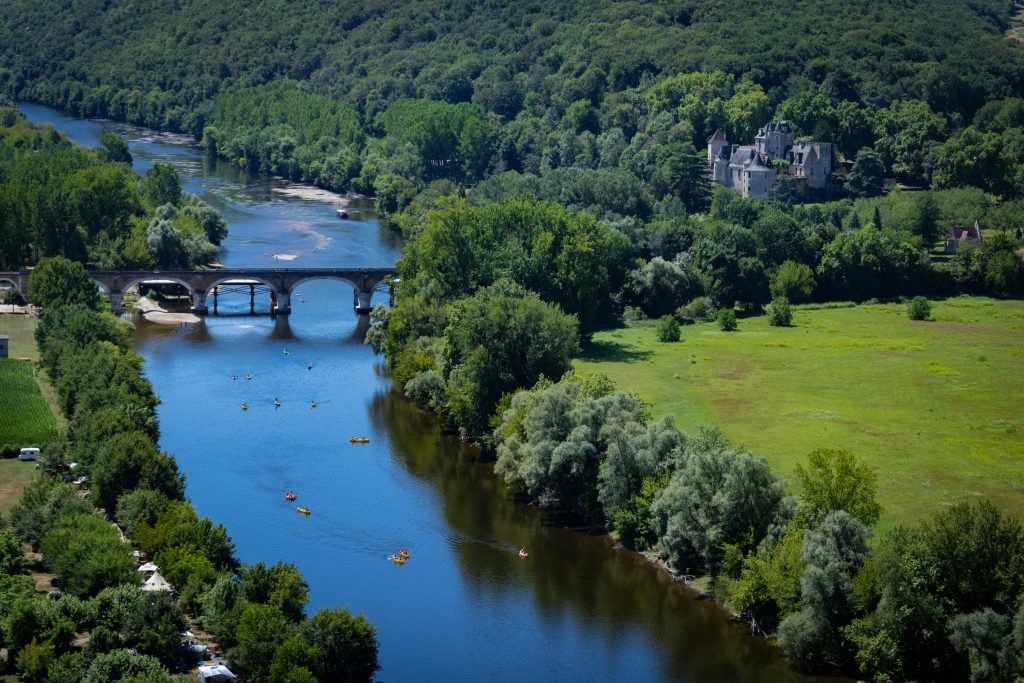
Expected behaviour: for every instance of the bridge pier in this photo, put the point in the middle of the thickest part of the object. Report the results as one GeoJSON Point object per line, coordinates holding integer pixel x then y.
{"type": "Point", "coordinates": [284, 303]}
{"type": "Point", "coordinates": [115, 302]}
{"type": "Point", "coordinates": [362, 301]}
{"type": "Point", "coordinates": [199, 302]}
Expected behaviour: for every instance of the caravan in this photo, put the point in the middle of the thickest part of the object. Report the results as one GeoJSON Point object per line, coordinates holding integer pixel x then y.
{"type": "Point", "coordinates": [28, 454]}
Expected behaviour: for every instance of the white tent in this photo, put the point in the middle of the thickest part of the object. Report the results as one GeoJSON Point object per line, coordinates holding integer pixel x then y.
{"type": "Point", "coordinates": [216, 673]}
{"type": "Point", "coordinates": [149, 567]}
{"type": "Point", "coordinates": [157, 583]}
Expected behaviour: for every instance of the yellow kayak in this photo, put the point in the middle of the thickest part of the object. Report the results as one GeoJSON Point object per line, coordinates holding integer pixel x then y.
{"type": "Point", "coordinates": [303, 511]}
{"type": "Point", "coordinates": [358, 439]}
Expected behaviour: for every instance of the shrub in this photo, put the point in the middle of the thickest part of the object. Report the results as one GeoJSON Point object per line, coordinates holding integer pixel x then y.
{"type": "Point", "coordinates": [779, 312]}
{"type": "Point", "coordinates": [919, 308]}
{"type": "Point", "coordinates": [668, 329]}
{"type": "Point", "coordinates": [727, 320]}
{"type": "Point", "coordinates": [700, 308]}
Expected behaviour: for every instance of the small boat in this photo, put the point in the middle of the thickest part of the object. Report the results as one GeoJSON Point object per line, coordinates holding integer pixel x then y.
{"type": "Point", "coordinates": [303, 511]}
{"type": "Point", "coordinates": [277, 403]}
{"type": "Point", "coordinates": [245, 406]}
{"type": "Point", "coordinates": [312, 404]}
{"type": "Point", "coordinates": [290, 495]}
{"type": "Point", "coordinates": [404, 554]}
{"type": "Point", "coordinates": [309, 365]}
{"type": "Point", "coordinates": [358, 439]}
{"type": "Point", "coordinates": [523, 554]}
{"type": "Point", "coordinates": [234, 376]}
{"type": "Point", "coordinates": [286, 352]}
{"type": "Point", "coordinates": [396, 559]}
{"type": "Point", "coordinates": [342, 214]}
{"type": "Point", "coordinates": [248, 376]}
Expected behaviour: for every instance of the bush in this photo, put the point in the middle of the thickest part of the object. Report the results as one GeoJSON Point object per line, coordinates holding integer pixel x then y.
{"type": "Point", "coordinates": [699, 309]}
{"type": "Point", "coordinates": [727, 320]}
{"type": "Point", "coordinates": [779, 312]}
{"type": "Point", "coordinates": [668, 329]}
{"type": "Point", "coordinates": [919, 308]}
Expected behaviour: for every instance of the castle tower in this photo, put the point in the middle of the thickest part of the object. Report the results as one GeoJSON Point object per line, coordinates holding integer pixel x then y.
{"type": "Point", "coordinates": [716, 143]}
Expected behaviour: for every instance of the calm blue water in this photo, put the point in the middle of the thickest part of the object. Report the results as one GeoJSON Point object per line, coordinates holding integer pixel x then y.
{"type": "Point", "coordinates": [465, 607]}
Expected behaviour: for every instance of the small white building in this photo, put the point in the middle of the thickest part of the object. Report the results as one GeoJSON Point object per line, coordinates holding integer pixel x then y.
{"type": "Point", "coordinates": [216, 673]}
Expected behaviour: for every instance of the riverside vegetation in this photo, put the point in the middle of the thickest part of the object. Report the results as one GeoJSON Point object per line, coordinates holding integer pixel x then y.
{"type": "Point", "coordinates": [546, 165]}
{"type": "Point", "coordinates": [256, 612]}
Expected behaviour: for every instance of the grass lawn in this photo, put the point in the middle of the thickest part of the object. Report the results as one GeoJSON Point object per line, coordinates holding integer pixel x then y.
{"type": "Point", "coordinates": [15, 475]}
{"type": "Point", "coordinates": [936, 408]}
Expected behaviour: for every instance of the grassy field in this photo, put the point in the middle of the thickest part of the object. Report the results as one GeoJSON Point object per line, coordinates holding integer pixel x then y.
{"type": "Point", "coordinates": [21, 330]}
{"type": "Point", "coordinates": [25, 416]}
{"type": "Point", "coordinates": [15, 475]}
{"type": "Point", "coordinates": [936, 408]}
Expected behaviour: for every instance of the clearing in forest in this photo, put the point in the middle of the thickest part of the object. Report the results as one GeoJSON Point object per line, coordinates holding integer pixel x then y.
{"type": "Point", "coordinates": [935, 407]}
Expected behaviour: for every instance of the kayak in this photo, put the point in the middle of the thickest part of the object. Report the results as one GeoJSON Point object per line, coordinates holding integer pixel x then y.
{"type": "Point", "coordinates": [403, 554]}
{"type": "Point", "coordinates": [358, 439]}
{"type": "Point", "coordinates": [302, 511]}
{"type": "Point", "coordinates": [523, 554]}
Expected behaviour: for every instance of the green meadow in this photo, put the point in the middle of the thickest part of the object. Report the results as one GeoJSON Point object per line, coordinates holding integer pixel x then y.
{"type": "Point", "coordinates": [935, 407]}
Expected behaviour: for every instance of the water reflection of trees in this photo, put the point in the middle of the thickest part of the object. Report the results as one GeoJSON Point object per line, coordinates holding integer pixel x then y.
{"type": "Point", "coordinates": [570, 573]}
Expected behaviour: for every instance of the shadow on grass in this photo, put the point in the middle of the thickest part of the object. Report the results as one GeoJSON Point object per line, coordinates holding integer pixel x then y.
{"type": "Point", "coordinates": [613, 352]}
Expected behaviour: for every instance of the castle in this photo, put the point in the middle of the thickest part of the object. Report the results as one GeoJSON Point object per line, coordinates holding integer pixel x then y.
{"type": "Point", "coordinates": [751, 171]}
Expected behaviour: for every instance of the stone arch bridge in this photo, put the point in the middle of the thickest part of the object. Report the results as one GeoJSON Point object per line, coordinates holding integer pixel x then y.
{"type": "Point", "coordinates": [203, 284]}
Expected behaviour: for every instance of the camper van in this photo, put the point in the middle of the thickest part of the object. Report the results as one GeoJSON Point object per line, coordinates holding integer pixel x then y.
{"type": "Point", "coordinates": [28, 454]}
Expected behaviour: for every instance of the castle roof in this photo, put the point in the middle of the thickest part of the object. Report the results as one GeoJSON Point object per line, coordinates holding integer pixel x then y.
{"type": "Point", "coordinates": [748, 157]}
{"type": "Point", "coordinates": [719, 136]}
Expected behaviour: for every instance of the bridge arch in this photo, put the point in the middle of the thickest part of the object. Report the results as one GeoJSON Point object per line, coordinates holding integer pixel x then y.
{"type": "Point", "coordinates": [197, 303]}
{"type": "Point", "coordinates": [279, 300]}
{"type": "Point", "coordinates": [362, 292]}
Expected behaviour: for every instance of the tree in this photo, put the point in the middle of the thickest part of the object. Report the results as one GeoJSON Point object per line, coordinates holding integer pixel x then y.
{"type": "Point", "coordinates": [261, 629]}
{"type": "Point", "coordinates": [779, 312]}
{"type": "Point", "coordinates": [867, 174]}
{"type": "Point", "coordinates": [33, 660]}
{"type": "Point", "coordinates": [60, 281]}
{"type": "Point", "coordinates": [12, 555]}
{"type": "Point", "coordinates": [854, 223]}
{"type": "Point", "coordinates": [668, 329]}
{"type": "Point", "coordinates": [660, 286]}
{"type": "Point", "coordinates": [832, 552]}
{"type": "Point", "coordinates": [719, 496]}
{"type": "Point", "coordinates": [161, 185]}
{"type": "Point", "coordinates": [498, 340]}
{"type": "Point", "coordinates": [114, 149]}
{"type": "Point", "coordinates": [862, 264]}
{"type": "Point", "coordinates": [973, 158]}
{"type": "Point", "coordinates": [835, 480]}
{"type": "Point", "coordinates": [876, 218]}
{"type": "Point", "coordinates": [794, 281]}
{"type": "Point", "coordinates": [346, 645]}
{"type": "Point", "coordinates": [166, 244]}
{"type": "Point", "coordinates": [727, 320]}
{"type": "Point", "coordinates": [87, 554]}
{"type": "Point", "coordinates": [129, 461]}
{"type": "Point", "coordinates": [919, 308]}
{"type": "Point", "coordinates": [280, 585]}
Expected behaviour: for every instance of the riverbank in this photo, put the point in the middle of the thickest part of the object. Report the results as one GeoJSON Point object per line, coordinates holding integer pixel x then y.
{"type": "Point", "coordinates": [154, 312]}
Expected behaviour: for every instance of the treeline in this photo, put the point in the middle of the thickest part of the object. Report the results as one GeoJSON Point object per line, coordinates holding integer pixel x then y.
{"type": "Point", "coordinates": [942, 600]}
{"type": "Point", "coordinates": [624, 86]}
{"type": "Point", "coordinates": [60, 199]}
{"type": "Point", "coordinates": [256, 612]}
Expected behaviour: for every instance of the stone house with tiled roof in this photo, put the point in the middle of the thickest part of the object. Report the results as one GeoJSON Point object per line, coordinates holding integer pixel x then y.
{"type": "Point", "coordinates": [751, 169]}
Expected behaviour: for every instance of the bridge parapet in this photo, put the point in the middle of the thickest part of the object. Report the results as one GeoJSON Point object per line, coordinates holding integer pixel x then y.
{"type": "Point", "coordinates": [201, 284]}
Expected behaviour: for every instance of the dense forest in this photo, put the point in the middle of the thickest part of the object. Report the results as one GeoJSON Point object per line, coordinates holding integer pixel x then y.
{"type": "Point", "coordinates": [320, 91]}
{"type": "Point", "coordinates": [60, 199]}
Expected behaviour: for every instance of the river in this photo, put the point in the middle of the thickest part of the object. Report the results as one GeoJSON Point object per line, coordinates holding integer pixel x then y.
{"type": "Point", "coordinates": [465, 606]}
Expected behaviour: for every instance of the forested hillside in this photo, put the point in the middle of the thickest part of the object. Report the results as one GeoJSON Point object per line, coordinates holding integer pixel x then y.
{"type": "Point", "coordinates": [627, 86]}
